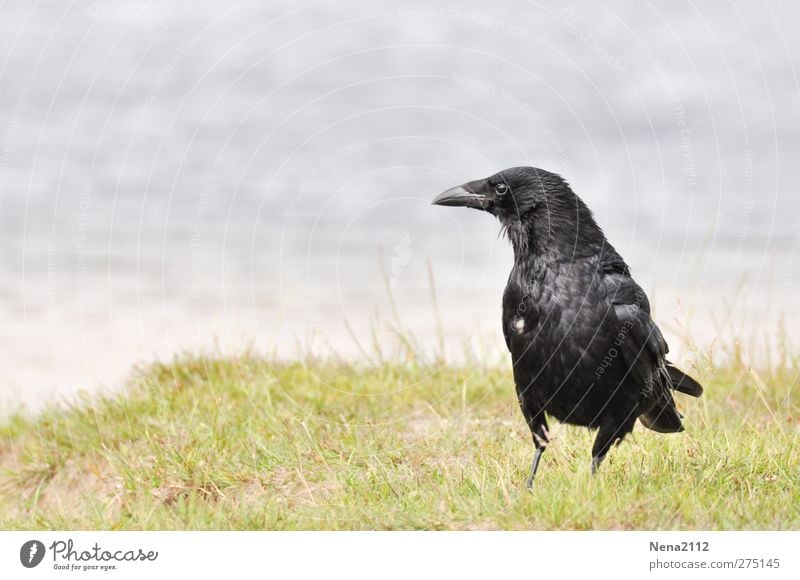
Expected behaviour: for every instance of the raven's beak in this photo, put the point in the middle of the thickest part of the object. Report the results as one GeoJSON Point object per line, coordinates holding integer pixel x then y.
{"type": "Point", "coordinates": [463, 195]}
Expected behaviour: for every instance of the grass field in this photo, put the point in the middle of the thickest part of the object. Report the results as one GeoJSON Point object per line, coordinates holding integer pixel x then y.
{"type": "Point", "coordinates": [205, 443]}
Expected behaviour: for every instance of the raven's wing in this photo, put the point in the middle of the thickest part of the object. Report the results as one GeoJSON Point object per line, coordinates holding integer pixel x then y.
{"type": "Point", "coordinates": [643, 351]}
{"type": "Point", "coordinates": [641, 342]}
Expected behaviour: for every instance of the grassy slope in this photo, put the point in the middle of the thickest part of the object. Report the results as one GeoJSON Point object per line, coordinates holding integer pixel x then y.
{"type": "Point", "coordinates": [245, 444]}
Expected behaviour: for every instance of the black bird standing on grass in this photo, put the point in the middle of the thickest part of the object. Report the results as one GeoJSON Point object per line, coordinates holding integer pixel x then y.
{"type": "Point", "coordinates": [582, 342]}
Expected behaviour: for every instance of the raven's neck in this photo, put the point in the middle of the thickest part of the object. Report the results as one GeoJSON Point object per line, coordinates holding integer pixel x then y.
{"type": "Point", "coordinates": [563, 231]}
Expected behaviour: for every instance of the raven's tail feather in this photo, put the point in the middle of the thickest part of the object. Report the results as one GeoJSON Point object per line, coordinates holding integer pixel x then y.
{"type": "Point", "coordinates": [683, 383]}
{"type": "Point", "coordinates": [663, 417]}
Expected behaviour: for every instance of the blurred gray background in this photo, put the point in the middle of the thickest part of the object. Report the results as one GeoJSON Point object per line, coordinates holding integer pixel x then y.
{"type": "Point", "coordinates": [211, 176]}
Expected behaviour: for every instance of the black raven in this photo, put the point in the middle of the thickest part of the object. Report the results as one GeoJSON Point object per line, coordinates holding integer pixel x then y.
{"type": "Point", "coordinates": [583, 346]}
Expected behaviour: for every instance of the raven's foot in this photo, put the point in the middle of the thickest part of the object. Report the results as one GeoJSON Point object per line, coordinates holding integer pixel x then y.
{"type": "Point", "coordinates": [534, 466]}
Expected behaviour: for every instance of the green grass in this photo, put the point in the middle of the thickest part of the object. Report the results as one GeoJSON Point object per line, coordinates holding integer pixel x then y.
{"type": "Point", "coordinates": [206, 443]}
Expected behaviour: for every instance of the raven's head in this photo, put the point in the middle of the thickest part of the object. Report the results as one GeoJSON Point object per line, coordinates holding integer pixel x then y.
{"type": "Point", "coordinates": [536, 208]}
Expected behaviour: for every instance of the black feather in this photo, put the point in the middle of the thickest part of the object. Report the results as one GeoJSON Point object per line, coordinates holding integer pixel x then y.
{"type": "Point", "coordinates": [683, 383]}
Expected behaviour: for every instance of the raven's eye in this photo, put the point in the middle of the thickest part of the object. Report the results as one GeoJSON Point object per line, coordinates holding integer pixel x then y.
{"type": "Point", "coordinates": [501, 189]}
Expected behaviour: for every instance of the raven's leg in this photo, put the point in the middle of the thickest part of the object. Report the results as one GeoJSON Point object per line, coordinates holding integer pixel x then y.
{"type": "Point", "coordinates": [541, 437]}
{"type": "Point", "coordinates": [612, 430]}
